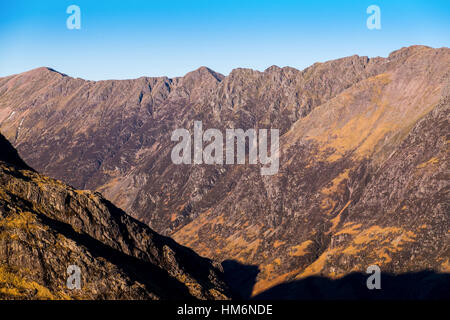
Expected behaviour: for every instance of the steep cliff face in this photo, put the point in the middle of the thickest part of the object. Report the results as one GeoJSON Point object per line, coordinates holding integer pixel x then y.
{"type": "Point", "coordinates": [46, 226]}
{"type": "Point", "coordinates": [363, 168]}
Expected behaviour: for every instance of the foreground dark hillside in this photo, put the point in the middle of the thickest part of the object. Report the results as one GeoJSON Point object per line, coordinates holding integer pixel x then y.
{"type": "Point", "coordinates": [46, 226]}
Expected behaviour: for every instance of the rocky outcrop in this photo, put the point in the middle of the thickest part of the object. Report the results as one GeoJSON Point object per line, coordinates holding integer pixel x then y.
{"type": "Point", "coordinates": [47, 226]}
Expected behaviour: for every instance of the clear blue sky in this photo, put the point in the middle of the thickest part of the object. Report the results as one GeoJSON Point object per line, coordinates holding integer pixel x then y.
{"type": "Point", "coordinates": [129, 39]}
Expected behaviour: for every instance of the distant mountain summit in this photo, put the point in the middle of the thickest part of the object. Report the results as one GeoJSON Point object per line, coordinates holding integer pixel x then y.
{"type": "Point", "coordinates": [363, 159]}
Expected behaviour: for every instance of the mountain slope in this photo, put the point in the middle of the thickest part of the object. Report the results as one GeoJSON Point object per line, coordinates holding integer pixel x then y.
{"type": "Point", "coordinates": [120, 130]}
{"type": "Point", "coordinates": [331, 210]}
{"type": "Point", "coordinates": [46, 226]}
{"type": "Point", "coordinates": [363, 170]}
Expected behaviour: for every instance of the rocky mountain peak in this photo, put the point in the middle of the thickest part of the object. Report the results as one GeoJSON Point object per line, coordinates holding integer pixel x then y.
{"type": "Point", "coordinates": [204, 73]}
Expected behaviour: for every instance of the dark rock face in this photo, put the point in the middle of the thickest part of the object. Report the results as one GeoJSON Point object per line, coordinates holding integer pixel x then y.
{"type": "Point", "coordinates": [46, 226]}
{"type": "Point", "coordinates": [10, 155]}
{"type": "Point", "coordinates": [363, 169]}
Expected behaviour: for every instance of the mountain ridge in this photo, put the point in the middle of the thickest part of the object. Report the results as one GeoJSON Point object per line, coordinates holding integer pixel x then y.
{"type": "Point", "coordinates": [206, 68]}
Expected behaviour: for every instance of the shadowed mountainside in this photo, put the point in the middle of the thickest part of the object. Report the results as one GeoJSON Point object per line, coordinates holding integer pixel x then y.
{"type": "Point", "coordinates": [10, 155]}
{"type": "Point", "coordinates": [424, 285]}
{"type": "Point", "coordinates": [46, 226]}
